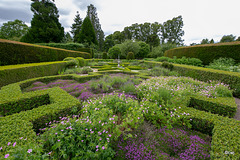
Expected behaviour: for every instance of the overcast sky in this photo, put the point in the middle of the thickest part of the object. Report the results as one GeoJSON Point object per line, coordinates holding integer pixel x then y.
{"type": "Point", "coordinates": [202, 18]}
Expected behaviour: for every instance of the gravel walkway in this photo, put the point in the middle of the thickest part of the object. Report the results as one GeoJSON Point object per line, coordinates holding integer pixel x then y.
{"type": "Point", "coordinates": [237, 115]}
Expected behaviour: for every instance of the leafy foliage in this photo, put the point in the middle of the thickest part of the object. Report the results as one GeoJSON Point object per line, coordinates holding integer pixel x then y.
{"type": "Point", "coordinates": [171, 31]}
{"type": "Point", "coordinates": [45, 26]}
{"type": "Point", "coordinates": [130, 55]}
{"type": "Point", "coordinates": [114, 52]}
{"type": "Point", "coordinates": [228, 38]}
{"type": "Point", "coordinates": [13, 30]}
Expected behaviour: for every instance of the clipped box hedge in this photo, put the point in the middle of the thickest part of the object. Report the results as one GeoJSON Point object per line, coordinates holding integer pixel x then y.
{"type": "Point", "coordinates": [15, 73]}
{"type": "Point", "coordinates": [206, 74]}
{"type": "Point", "coordinates": [222, 106]}
{"type": "Point", "coordinates": [225, 132]}
{"type": "Point", "coordinates": [12, 52]}
{"type": "Point", "coordinates": [27, 123]}
{"type": "Point", "coordinates": [208, 52]}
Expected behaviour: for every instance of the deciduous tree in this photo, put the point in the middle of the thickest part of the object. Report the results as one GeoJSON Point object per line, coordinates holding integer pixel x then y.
{"type": "Point", "coordinates": [13, 30]}
{"type": "Point", "coordinates": [172, 32]}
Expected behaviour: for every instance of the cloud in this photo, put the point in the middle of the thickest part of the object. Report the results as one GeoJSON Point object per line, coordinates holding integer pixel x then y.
{"type": "Point", "coordinates": [16, 13]}
{"type": "Point", "coordinates": [64, 12]}
{"type": "Point", "coordinates": [84, 3]}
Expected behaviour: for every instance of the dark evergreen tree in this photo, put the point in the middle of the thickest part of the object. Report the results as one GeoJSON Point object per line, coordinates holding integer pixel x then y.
{"type": "Point", "coordinates": [76, 27]}
{"type": "Point", "coordinates": [45, 26]}
{"type": "Point", "coordinates": [87, 33]}
{"type": "Point", "coordinates": [92, 14]}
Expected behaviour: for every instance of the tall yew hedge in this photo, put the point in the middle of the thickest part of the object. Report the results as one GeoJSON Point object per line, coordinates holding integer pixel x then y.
{"type": "Point", "coordinates": [12, 52]}
{"type": "Point", "coordinates": [207, 53]}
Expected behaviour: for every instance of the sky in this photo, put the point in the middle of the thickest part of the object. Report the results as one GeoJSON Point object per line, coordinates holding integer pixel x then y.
{"type": "Point", "coordinates": [202, 18]}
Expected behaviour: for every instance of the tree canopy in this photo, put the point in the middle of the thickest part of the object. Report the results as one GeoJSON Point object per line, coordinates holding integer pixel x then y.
{"type": "Point", "coordinates": [92, 14]}
{"type": "Point", "coordinates": [13, 30]}
{"type": "Point", "coordinates": [76, 27]}
{"type": "Point", "coordinates": [87, 33]}
{"type": "Point", "coordinates": [45, 26]}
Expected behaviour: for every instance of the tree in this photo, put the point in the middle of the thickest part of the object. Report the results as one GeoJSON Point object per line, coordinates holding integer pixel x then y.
{"type": "Point", "coordinates": [171, 31]}
{"type": "Point", "coordinates": [211, 41]}
{"type": "Point", "coordinates": [67, 38]}
{"type": "Point", "coordinates": [45, 26]}
{"type": "Point", "coordinates": [92, 14]}
{"type": "Point", "coordinates": [128, 46]}
{"type": "Point", "coordinates": [227, 38]}
{"type": "Point", "coordinates": [118, 37]}
{"type": "Point", "coordinates": [114, 52]}
{"type": "Point", "coordinates": [76, 27]}
{"type": "Point", "coordinates": [108, 42]}
{"type": "Point", "coordinates": [143, 51]}
{"type": "Point", "coordinates": [238, 39]}
{"type": "Point", "coordinates": [205, 41]}
{"type": "Point", "coordinates": [13, 30]}
{"type": "Point", "coordinates": [87, 34]}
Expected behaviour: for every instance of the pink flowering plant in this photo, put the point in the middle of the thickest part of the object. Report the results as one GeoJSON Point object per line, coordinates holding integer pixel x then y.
{"type": "Point", "coordinates": [88, 136]}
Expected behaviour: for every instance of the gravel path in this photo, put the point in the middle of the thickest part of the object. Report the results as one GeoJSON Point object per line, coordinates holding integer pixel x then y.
{"type": "Point", "coordinates": [237, 115]}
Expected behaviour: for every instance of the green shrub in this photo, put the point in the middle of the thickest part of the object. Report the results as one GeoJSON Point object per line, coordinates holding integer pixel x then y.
{"type": "Point", "coordinates": [12, 52]}
{"type": "Point", "coordinates": [163, 59]}
{"type": "Point", "coordinates": [159, 71]}
{"type": "Point", "coordinates": [130, 55]}
{"type": "Point", "coordinates": [71, 61]}
{"type": "Point", "coordinates": [167, 65]}
{"type": "Point", "coordinates": [81, 61]}
{"type": "Point", "coordinates": [104, 55]}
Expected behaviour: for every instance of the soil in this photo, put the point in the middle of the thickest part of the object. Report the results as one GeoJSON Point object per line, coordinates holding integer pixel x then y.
{"type": "Point", "coordinates": [237, 115]}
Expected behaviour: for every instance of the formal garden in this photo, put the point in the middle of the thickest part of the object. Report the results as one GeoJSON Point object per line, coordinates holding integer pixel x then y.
{"type": "Point", "coordinates": [78, 108]}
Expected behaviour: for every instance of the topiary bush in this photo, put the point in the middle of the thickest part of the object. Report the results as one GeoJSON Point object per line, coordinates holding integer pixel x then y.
{"type": "Point", "coordinates": [71, 61]}
{"type": "Point", "coordinates": [130, 55]}
{"type": "Point", "coordinates": [104, 55]}
{"type": "Point", "coordinates": [81, 61]}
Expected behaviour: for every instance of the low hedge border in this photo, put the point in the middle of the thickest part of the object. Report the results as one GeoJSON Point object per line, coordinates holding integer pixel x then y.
{"type": "Point", "coordinates": [24, 124]}
{"type": "Point", "coordinates": [222, 106]}
{"type": "Point", "coordinates": [13, 52]}
{"type": "Point", "coordinates": [225, 132]}
{"type": "Point", "coordinates": [206, 74]}
{"type": "Point", "coordinates": [15, 73]}
{"type": "Point", "coordinates": [23, 104]}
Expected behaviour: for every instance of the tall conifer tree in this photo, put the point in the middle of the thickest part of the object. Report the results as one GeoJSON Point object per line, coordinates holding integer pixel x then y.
{"type": "Point", "coordinates": [87, 33]}
{"type": "Point", "coordinates": [92, 14]}
{"type": "Point", "coordinates": [76, 27]}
